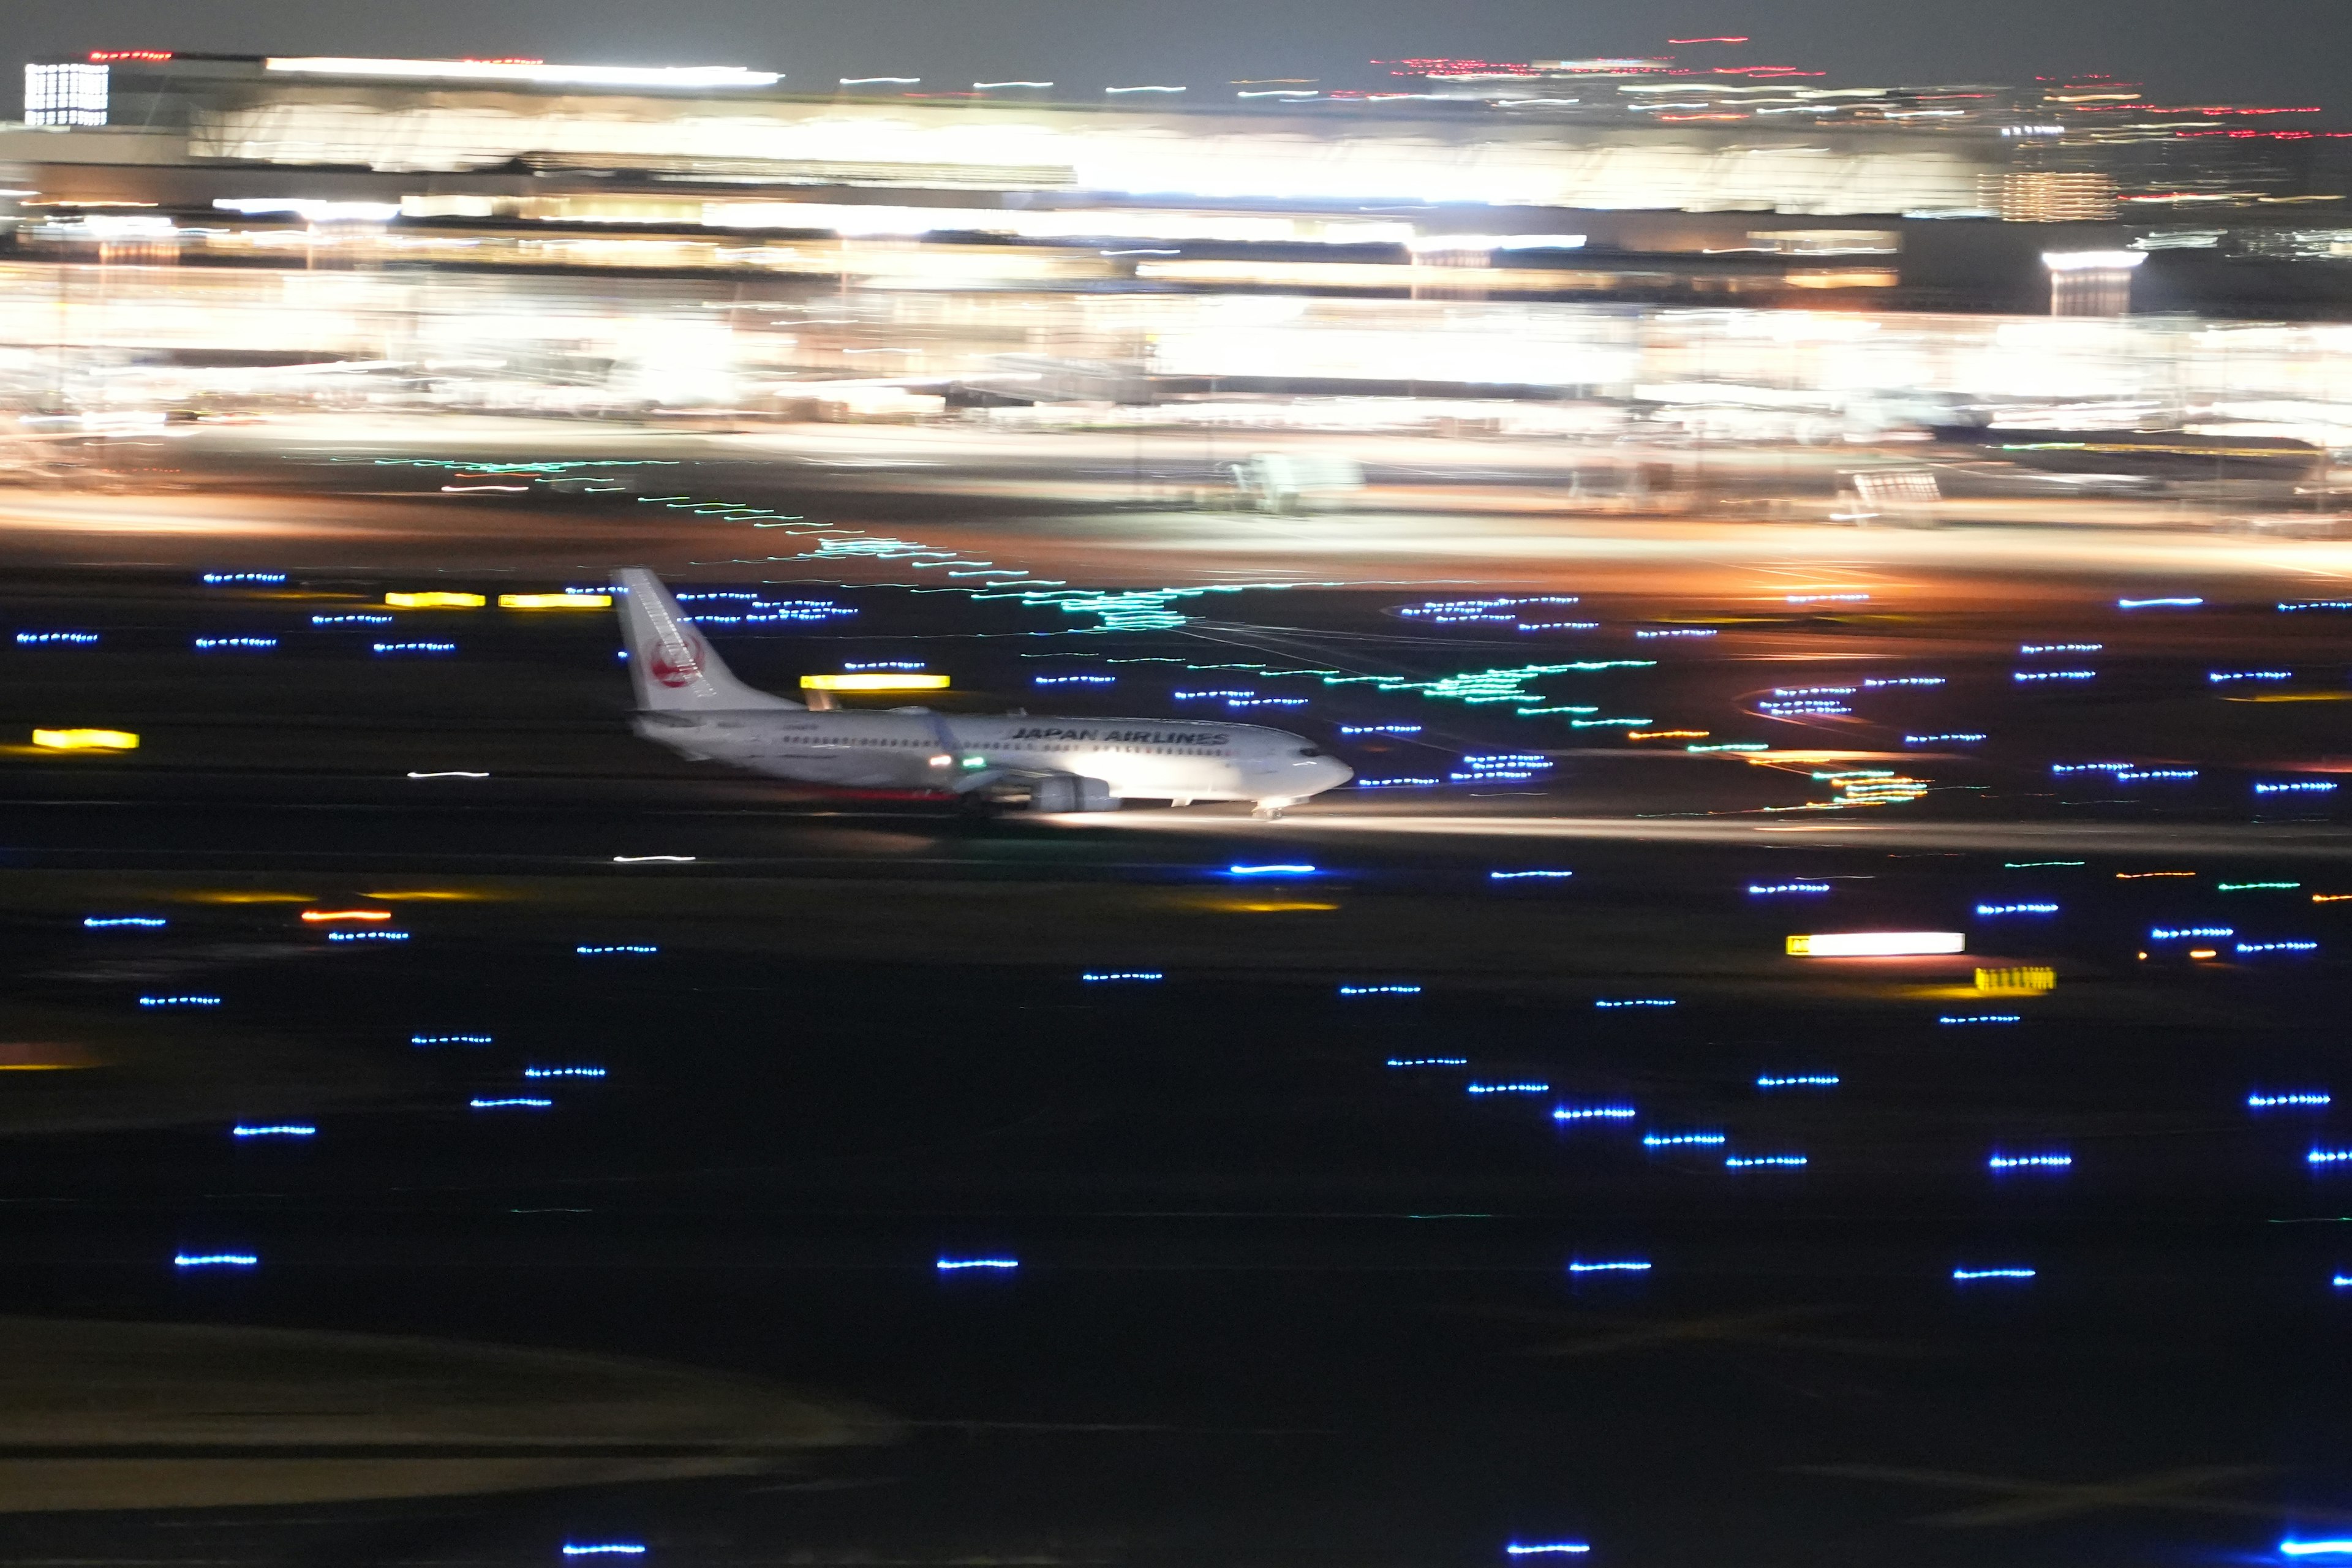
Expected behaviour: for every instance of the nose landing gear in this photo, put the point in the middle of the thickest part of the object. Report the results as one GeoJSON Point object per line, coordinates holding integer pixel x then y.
{"type": "Point", "coordinates": [1270, 808]}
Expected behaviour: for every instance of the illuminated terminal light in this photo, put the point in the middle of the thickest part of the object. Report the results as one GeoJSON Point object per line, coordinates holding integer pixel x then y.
{"type": "Point", "coordinates": [216, 1260]}
{"type": "Point", "coordinates": [1965, 1276]}
{"type": "Point", "coordinates": [2064, 768]}
{"type": "Point", "coordinates": [510, 1102]}
{"type": "Point", "coordinates": [1380, 990]}
{"type": "Point", "coordinates": [2220, 676]}
{"type": "Point", "coordinates": [538, 72]}
{"type": "Point", "coordinates": [1981, 1018]}
{"type": "Point", "coordinates": [1826, 598]}
{"type": "Point", "coordinates": [1870, 683]}
{"type": "Point", "coordinates": [2292, 1548]}
{"type": "Point", "coordinates": [2328, 1157]}
{"type": "Point", "coordinates": [1639, 1002]}
{"type": "Point", "coordinates": [2029, 650]}
{"type": "Point", "coordinates": [1626, 1265]}
{"type": "Point", "coordinates": [1667, 734]}
{"type": "Point", "coordinates": [1542, 1548]}
{"type": "Point", "coordinates": [1813, 690]}
{"type": "Point", "coordinates": [1398, 784]}
{"type": "Point", "coordinates": [563, 1072]}
{"type": "Point", "coordinates": [1987, 911]}
{"type": "Point", "coordinates": [1119, 90]}
{"type": "Point", "coordinates": [1952, 739]}
{"type": "Point", "coordinates": [36, 640]}
{"type": "Point", "coordinates": [2309, 786]}
{"type": "Point", "coordinates": [1683, 1140]}
{"type": "Point", "coordinates": [2309, 1098]}
{"type": "Point", "coordinates": [1074, 681]}
{"type": "Point", "coordinates": [240, 645]}
{"type": "Point", "coordinates": [887, 664]}
{"type": "Point", "coordinates": [623, 948]}
{"type": "Point", "coordinates": [219, 578]}
{"type": "Point", "coordinates": [2179, 934]}
{"type": "Point", "coordinates": [367, 936]}
{"type": "Point", "coordinates": [1679, 631]}
{"type": "Point", "coordinates": [1506, 1088]}
{"type": "Point", "coordinates": [992, 86]}
{"type": "Point", "coordinates": [1111, 977]}
{"type": "Point", "coordinates": [1380, 728]}
{"type": "Point", "coordinates": [2317, 605]}
{"type": "Point", "coordinates": [1730, 746]}
{"type": "Point", "coordinates": [568, 599]}
{"type": "Point", "coordinates": [1748, 1161]}
{"type": "Point", "coordinates": [281, 1129]}
{"type": "Point", "coordinates": [2158, 603]}
{"type": "Point", "coordinates": [323, 917]}
{"type": "Point", "coordinates": [880, 80]}
{"type": "Point", "coordinates": [652, 860]}
{"type": "Point", "coordinates": [2027, 865]}
{"type": "Point", "coordinates": [1800, 1080]}
{"type": "Point", "coordinates": [2249, 947]}
{"type": "Point", "coordinates": [1593, 1113]}
{"type": "Point", "coordinates": [1527, 876]}
{"type": "Point", "coordinates": [603, 1548]}
{"type": "Point", "coordinates": [450, 1039]}
{"type": "Point", "coordinates": [2033, 675]}
{"type": "Point", "coordinates": [102, 922]}
{"type": "Point", "coordinates": [2254, 887]}
{"type": "Point", "coordinates": [436, 599]}
{"type": "Point", "coordinates": [1876, 943]}
{"type": "Point", "coordinates": [949, 1265]}
{"type": "Point", "coordinates": [2143, 876]}
{"type": "Point", "coordinates": [1429, 1062]}
{"type": "Point", "coordinates": [350, 620]}
{"type": "Point", "coordinates": [1270, 870]}
{"type": "Point", "coordinates": [2142, 776]}
{"type": "Point", "coordinates": [399, 648]}
{"type": "Point", "coordinates": [2030, 1161]}
{"type": "Point", "coordinates": [1199, 696]}
{"type": "Point", "coordinates": [179, 1001]}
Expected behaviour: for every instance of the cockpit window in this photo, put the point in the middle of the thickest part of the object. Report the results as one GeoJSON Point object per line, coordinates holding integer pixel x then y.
{"type": "Point", "coordinates": [1310, 751]}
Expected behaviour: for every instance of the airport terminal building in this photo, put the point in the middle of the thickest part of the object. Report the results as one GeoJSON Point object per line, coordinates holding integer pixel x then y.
{"type": "Point", "coordinates": [1850, 198]}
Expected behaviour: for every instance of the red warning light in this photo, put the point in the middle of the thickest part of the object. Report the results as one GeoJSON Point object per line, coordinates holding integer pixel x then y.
{"type": "Point", "coordinates": [104, 57]}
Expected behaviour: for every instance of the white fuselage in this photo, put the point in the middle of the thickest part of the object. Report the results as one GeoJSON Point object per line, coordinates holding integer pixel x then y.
{"type": "Point", "coordinates": [1138, 759]}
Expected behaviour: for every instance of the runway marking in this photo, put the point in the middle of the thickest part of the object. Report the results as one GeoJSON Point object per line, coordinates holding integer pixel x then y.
{"type": "Point", "coordinates": [2033, 1502]}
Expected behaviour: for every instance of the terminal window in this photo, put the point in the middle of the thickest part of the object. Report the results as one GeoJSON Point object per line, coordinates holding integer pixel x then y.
{"type": "Point", "coordinates": [65, 95]}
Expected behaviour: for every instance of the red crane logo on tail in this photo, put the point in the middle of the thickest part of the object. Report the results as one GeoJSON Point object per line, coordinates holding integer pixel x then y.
{"type": "Point", "coordinates": [677, 662]}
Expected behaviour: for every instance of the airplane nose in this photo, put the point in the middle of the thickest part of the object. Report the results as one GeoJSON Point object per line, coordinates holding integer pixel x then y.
{"type": "Point", "coordinates": [1330, 774]}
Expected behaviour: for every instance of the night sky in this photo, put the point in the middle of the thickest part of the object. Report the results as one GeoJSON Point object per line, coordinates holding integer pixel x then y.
{"type": "Point", "coordinates": [2274, 51]}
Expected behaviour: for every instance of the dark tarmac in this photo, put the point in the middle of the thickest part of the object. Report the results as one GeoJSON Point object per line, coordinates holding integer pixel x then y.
{"type": "Point", "coordinates": [1277, 1301]}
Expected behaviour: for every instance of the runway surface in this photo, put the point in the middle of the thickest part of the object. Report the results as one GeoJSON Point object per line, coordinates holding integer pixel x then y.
{"type": "Point", "coordinates": [1489, 1174]}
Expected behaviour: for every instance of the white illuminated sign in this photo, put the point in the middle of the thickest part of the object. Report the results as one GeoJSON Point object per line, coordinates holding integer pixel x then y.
{"type": "Point", "coordinates": [2089, 261]}
{"type": "Point", "coordinates": [1876, 943]}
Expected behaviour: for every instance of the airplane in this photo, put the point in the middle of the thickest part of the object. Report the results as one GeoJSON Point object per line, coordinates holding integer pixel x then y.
{"type": "Point", "coordinates": [689, 700]}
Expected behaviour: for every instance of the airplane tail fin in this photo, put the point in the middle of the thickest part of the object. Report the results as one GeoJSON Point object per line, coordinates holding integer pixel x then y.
{"type": "Point", "coordinates": [673, 667]}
